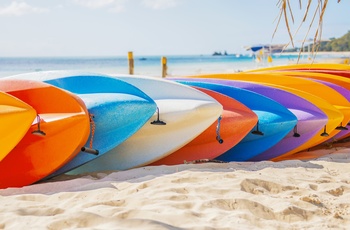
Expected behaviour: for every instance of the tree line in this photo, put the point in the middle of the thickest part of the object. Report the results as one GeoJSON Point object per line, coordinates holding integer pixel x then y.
{"type": "Point", "coordinates": [331, 45]}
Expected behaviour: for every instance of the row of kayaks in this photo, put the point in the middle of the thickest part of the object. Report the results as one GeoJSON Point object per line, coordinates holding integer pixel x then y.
{"type": "Point", "coordinates": [59, 122]}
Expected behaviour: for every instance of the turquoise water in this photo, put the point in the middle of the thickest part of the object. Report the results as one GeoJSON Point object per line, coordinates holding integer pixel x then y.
{"type": "Point", "coordinates": [145, 65]}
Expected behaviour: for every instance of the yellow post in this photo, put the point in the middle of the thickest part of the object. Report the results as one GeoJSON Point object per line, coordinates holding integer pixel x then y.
{"type": "Point", "coordinates": [164, 66]}
{"type": "Point", "coordinates": [131, 63]}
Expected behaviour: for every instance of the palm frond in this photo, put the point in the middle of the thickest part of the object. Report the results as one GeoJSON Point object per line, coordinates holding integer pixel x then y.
{"type": "Point", "coordinates": [286, 12]}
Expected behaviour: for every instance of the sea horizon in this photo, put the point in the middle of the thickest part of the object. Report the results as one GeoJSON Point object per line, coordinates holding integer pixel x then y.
{"type": "Point", "coordinates": [177, 65]}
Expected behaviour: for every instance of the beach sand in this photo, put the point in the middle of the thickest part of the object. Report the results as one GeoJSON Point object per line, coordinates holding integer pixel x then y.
{"type": "Point", "coordinates": [294, 194]}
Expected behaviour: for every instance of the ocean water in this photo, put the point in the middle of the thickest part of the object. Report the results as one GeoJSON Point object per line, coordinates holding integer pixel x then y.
{"type": "Point", "coordinates": [144, 65]}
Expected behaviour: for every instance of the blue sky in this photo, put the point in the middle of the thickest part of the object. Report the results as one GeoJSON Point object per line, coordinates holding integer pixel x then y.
{"type": "Point", "coordinates": [151, 27]}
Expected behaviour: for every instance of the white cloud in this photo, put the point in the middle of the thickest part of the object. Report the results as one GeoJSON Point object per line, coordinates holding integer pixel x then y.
{"type": "Point", "coordinates": [112, 5]}
{"type": "Point", "coordinates": [160, 4]}
{"type": "Point", "coordinates": [21, 8]}
{"type": "Point", "coordinates": [94, 4]}
{"type": "Point", "coordinates": [119, 5]}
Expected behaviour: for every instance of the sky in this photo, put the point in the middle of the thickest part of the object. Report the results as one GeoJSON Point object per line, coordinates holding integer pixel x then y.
{"type": "Point", "coordinates": [35, 28]}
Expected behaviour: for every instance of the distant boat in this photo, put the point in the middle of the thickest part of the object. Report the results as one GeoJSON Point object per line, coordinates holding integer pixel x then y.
{"type": "Point", "coordinates": [143, 59]}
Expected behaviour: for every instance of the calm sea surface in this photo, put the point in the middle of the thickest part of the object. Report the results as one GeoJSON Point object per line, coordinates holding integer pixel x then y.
{"type": "Point", "coordinates": [144, 65]}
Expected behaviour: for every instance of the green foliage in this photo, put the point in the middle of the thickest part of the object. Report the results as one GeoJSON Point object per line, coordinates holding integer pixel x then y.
{"type": "Point", "coordinates": [332, 45]}
{"type": "Point", "coordinates": [336, 44]}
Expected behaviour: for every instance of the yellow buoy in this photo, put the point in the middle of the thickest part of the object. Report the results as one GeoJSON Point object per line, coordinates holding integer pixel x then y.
{"type": "Point", "coordinates": [269, 59]}
{"type": "Point", "coordinates": [258, 59]}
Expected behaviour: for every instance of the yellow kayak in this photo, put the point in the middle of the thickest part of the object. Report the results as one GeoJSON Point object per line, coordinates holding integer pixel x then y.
{"type": "Point", "coordinates": [341, 81]}
{"type": "Point", "coordinates": [334, 79]}
{"type": "Point", "coordinates": [309, 66]}
{"type": "Point", "coordinates": [16, 117]}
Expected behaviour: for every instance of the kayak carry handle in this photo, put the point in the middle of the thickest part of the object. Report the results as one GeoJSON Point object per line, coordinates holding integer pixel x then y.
{"type": "Point", "coordinates": [341, 127]}
{"type": "Point", "coordinates": [324, 134]}
{"type": "Point", "coordinates": [257, 131]}
{"type": "Point", "coordinates": [218, 138]}
{"type": "Point", "coordinates": [295, 131]}
{"type": "Point", "coordinates": [38, 132]}
{"type": "Point", "coordinates": [90, 150]}
{"type": "Point", "coordinates": [158, 122]}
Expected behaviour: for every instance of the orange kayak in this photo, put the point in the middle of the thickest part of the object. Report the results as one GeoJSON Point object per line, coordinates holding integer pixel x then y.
{"type": "Point", "coordinates": [235, 123]}
{"type": "Point", "coordinates": [58, 133]}
{"type": "Point", "coordinates": [12, 113]}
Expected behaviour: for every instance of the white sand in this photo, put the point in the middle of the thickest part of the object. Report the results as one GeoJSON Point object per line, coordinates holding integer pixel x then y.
{"type": "Point", "coordinates": [263, 195]}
